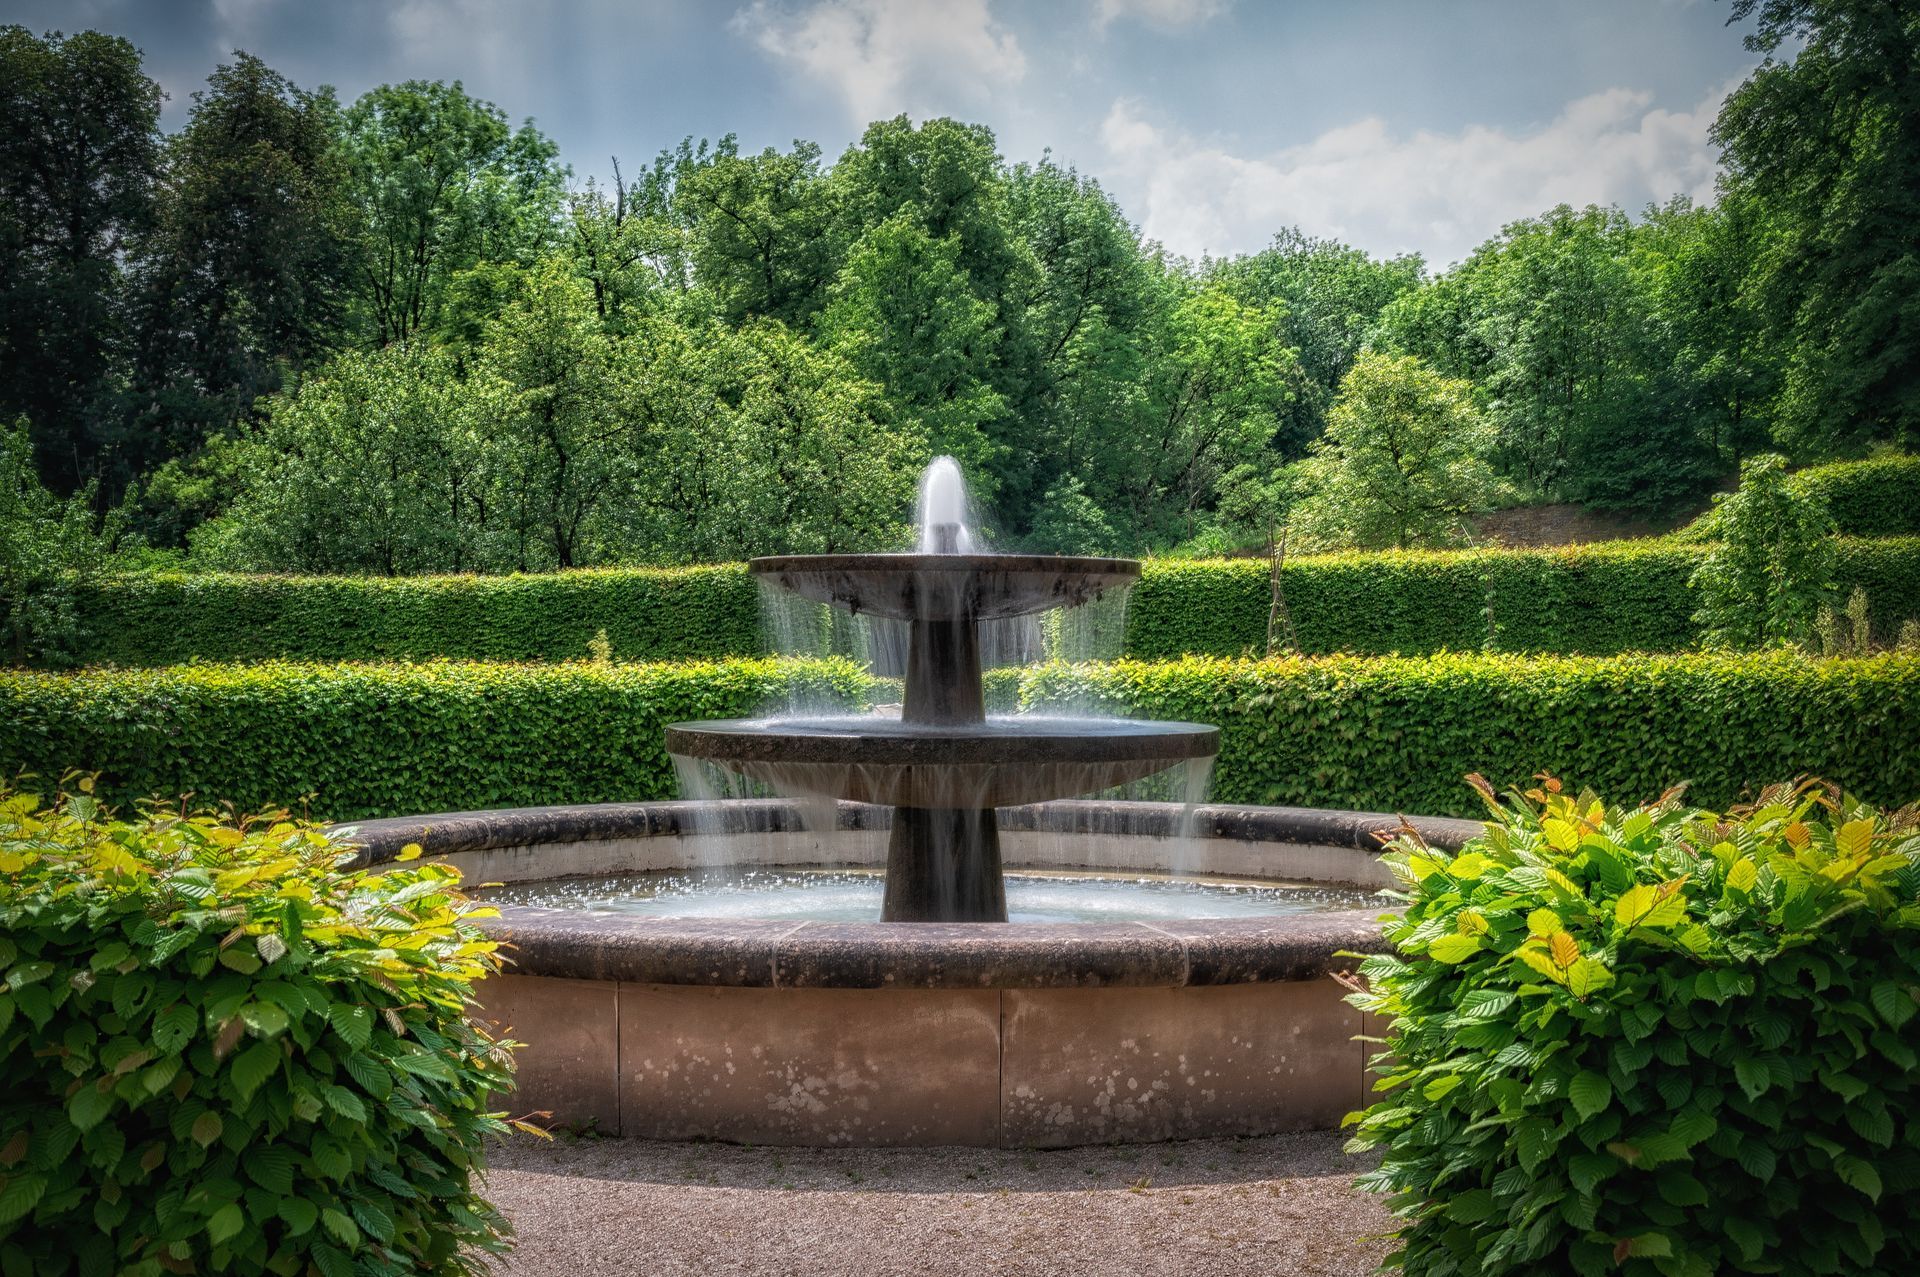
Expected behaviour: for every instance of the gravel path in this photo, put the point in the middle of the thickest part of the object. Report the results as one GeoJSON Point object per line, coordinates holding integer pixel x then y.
{"type": "Point", "coordinates": [1206, 1208]}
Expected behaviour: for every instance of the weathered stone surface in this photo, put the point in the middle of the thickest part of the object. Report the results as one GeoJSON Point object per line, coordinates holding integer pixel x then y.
{"type": "Point", "coordinates": [568, 1065]}
{"type": "Point", "coordinates": [810, 1066]}
{"type": "Point", "coordinates": [1083, 1066]}
{"type": "Point", "coordinates": [961, 955]}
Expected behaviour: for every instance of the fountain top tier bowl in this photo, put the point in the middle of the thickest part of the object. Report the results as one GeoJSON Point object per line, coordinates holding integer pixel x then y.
{"type": "Point", "coordinates": [946, 587]}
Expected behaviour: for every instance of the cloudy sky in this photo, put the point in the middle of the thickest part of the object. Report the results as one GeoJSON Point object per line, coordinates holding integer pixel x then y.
{"type": "Point", "coordinates": [1397, 125]}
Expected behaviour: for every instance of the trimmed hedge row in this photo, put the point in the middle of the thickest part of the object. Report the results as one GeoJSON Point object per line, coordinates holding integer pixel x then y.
{"type": "Point", "coordinates": [379, 740]}
{"type": "Point", "coordinates": [655, 614]}
{"type": "Point", "coordinates": [1381, 734]}
{"type": "Point", "coordinates": [1875, 498]}
{"type": "Point", "coordinates": [1397, 734]}
{"type": "Point", "coordinates": [1595, 600]}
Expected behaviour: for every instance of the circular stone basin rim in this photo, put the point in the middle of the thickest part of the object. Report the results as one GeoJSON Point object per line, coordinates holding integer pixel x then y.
{"type": "Point", "coordinates": [877, 955]}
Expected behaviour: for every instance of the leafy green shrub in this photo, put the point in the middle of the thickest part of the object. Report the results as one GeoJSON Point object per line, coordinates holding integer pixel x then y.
{"type": "Point", "coordinates": [1654, 1041]}
{"type": "Point", "coordinates": [1387, 734]}
{"type": "Point", "coordinates": [389, 739]}
{"type": "Point", "coordinates": [1764, 581]}
{"type": "Point", "coordinates": [1592, 600]}
{"type": "Point", "coordinates": [649, 614]}
{"type": "Point", "coordinates": [224, 1054]}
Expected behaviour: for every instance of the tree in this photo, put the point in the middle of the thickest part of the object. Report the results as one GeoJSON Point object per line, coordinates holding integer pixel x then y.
{"type": "Point", "coordinates": [48, 549]}
{"type": "Point", "coordinates": [1403, 461]}
{"type": "Point", "coordinates": [1215, 382]}
{"type": "Point", "coordinates": [442, 184]}
{"type": "Point", "coordinates": [762, 228]}
{"type": "Point", "coordinates": [246, 271]}
{"type": "Point", "coordinates": [79, 151]}
{"type": "Point", "coordinates": [903, 315]}
{"type": "Point", "coordinates": [1764, 582]}
{"type": "Point", "coordinates": [374, 464]}
{"type": "Point", "coordinates": [1828, 144]}
{"type": "Point", "coordinates": [1329, 296]}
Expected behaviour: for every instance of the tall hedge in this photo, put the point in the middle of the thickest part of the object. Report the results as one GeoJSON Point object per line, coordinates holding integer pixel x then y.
{"type": "Point", "coordinates": [651, 614]}
{"type": "Point", "coordinates": [1594, 600]}
{"type": "Point", "coordinates": [1397, 734]}
{"type": "Point", "coordinates": [1378, 733]}
{"type": "Point", "coordinates": [379, 740]}
{"type": "Point", "coordinates": [1874, 498]}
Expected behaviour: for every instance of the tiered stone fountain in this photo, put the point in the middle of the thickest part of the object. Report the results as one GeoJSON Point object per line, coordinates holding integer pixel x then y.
{"type": "Point", "coordinates": [1195, 1007]}
{"type": "Point", "coordinates": [943, 766]}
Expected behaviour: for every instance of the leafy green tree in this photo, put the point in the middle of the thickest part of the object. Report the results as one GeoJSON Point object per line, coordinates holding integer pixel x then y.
{"type": "Point", "coordinates": [762, 231]}
{"type": "Point", "coordinates": [442, 184]}
{"type": "Point", "coordinates": [1827, 142]}
{"type": "Point", "coordinates": [247, 268]}
{"type": "Point", "coordinates": [1403, 461]}
{"type": "Point", "coordinates": [1330, 297]}
{"type": "Point", "coordinates": [1696, 262]}
{"type": "Point", "coordinates": [561, 454]}
{"type": "Point", "coordinates": [373, 465]}
{"type": "Point", "coordinates": [1215, 380]}
{"type": "Point", "coordinates": [757, 441]}
{"type": "Point", "coordinates": [903, 315]}
{"type": "Point", "coordinates": [79, 152]}
{"type": "Point", "coordinates": [1764, 582]}
{"type": "Point", "coordinates": [48, 547]}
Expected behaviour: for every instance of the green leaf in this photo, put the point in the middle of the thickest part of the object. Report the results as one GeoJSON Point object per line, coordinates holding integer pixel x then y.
{"type": "Point", "coordinates": [299, 1213]}
{"type": "Point", "coordinates": [1858, 1173]}
{"type": "Point", "coordinates": [253, 1066]}
{"type": "Point", "coordinates": [1651, 1246]}
{"type": "Point", "coordinates": [1471, 1207]}
{"type": "Point", "coordinates": [1590, 1092]}
{"type": "Point", "coordinates": [206, 1128]}
{"type": "Point", "coordinates": [88, 1105]}
{"type": "Point", "coordinates": [1453, 948]}
{"type": "Point", "coordinates": [1895, 1004]}
{"type": "Point", "coordinates": [342, 1228]}
{"type": "Point", "coordinates": [264, 1018]}
{"type": "Point", "coordinates": [174, 1026]}
{"type": "Point", "coordinates": [345, 1103]}
{"type": "Point", "coordinates": [353, 1023]}
{"type": "Point", "coordinates": [225, 1223]}
{"type": "Point", "coordinates": [1753, 1075]}
{"type": "Point", "coordinates": [20, 1194]}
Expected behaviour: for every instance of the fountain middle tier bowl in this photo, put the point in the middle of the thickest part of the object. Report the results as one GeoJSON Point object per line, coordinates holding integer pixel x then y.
{"type": "Point", "coordinates": [1002, 762]}
{"type": "Point", "coordinates": [945, 587]}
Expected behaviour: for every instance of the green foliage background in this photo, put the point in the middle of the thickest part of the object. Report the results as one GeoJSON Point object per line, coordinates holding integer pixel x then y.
{"type": "Point", "coordinates": [1390, 734]}
{"type": "Point", "coordinates": [1397, 734]}
{"type": "Point", "coordinates": [382, 740]}
{"type": "Point", "coordinates": [648, 614]}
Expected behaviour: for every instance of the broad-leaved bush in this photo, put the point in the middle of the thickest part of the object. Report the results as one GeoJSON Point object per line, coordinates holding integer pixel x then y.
{"type": "Point", "coordinates": [225, 1054]}
{"type": "Point", "coordinates": [1654, 1040]}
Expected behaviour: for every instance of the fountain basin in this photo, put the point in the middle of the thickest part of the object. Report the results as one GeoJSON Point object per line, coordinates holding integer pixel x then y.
{"type": "Point", "coordinates": [876, 1033]}
{"type": "Point", "coordinates": [1002, 762]}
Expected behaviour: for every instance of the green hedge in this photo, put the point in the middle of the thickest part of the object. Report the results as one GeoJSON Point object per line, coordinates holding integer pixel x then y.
{"type": "Point", "coordinates": [651, 614]}
{"type": "Point", "coordinates": [1654, 1042]}
{"type": "Point", "coordinates": [1585, 600]}
{"type": "Point", "coordinates": [1875, 498]}
{"type": "Point", "coordinates": [1596, 600]}
{"type": "Point", "coordinates": [224, 1054]}
{"type": "Point", "coordinates": [1397, 734]}
{"type": "Point", "coordinates": [377, 740]}
{"type": "Point", "coordinates": [1374, 733]}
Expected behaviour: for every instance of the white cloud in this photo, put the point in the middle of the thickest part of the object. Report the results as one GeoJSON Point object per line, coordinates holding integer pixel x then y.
{"type": "Point", "coordinates": [883, 57]}
{"type": "Point", "coordinates": [1439, 194]}
{"type": "Point", "coordinates": [1159, 13]}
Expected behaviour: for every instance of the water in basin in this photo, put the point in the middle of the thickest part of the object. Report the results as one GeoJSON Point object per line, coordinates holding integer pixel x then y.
{"type": "Point", "coordinates": [854, 895]}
